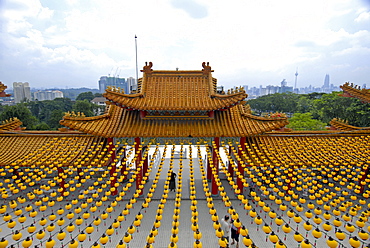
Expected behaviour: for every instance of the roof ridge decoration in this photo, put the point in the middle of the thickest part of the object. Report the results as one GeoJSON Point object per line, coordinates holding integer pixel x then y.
{"type": "Point", "coordinates": [206, 68]}
{"type": "Point", "coordinates": [10, 124]}
{"type": "Point", "coordinates": [351, 90]}
{"type": "Point", "coordinates": [247, 112]}
{"type": "Point", "coordinates": [2, 90]}
{"type": "Point", "coordinates": [81, 116]}
{"type": "Point", "coordinates": [147, 68]}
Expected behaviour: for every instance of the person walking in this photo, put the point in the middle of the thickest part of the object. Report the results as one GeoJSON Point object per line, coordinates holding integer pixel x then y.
{"type": "Point", "coordinates": [173, 181]}
{"type": "Point", "coordinates": [234, 234]}
{"type": "Point", "coordinates": [226, 226]}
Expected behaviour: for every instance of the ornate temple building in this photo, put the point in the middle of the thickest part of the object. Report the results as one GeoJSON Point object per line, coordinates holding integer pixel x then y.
{"type": "Point", "coordinates": [175, 104]}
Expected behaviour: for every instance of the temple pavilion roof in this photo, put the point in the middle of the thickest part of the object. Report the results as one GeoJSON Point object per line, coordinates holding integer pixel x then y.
{"type": "Point", "coordinates": [352, 90]}
{"type": "Point", "coordinates": [32, 148]}
{"type": "Point", "coordinates": [175, 104]}
{"type": "Point", "coordinates": [236, 121]}
{"type": "Point", "coordinates": [179, 90]}
{"type": "Point", "coordinates": [2, 90]}
{"type": "Point", "coordinates": [339, 124]}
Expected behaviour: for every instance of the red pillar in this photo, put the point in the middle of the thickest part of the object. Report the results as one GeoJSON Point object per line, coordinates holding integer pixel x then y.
{"type": "Point", "coordinates": [62, 182]}
{"type": "Point", "coordinates": [145, 164]}
{"type": "Point", "coordinates": [240, 168]}
{"type": "Point", "coordinates": [362, 189]}
{"type": "Point", "coordinates": [112, 171]}
{"type": "Point", "coordinates": [123, 163]}
{"type": "Point", "coordinates": [139, 176]}
{"type": "Point", "coordinates": [215, 165]}
{"type": "Point", "coordinates": [79, 170]}
{"type": "Point", "coordinates": [230, 168]}
{"type": "Point", "coordinates": [111, 147]}
{"type": "Point", "coordinates": [209, 169]}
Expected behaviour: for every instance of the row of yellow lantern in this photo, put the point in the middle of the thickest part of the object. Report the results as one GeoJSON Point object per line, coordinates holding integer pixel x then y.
{"type": "Point", "coordinates": [50, 226]}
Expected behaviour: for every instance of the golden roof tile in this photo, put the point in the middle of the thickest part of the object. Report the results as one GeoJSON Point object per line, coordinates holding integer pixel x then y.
{"type": "Point", "coordinates": [179, 90]}
{"type": "Point", "coordinates": [22, 148]}
{"type": "Point", "coordinates": [119, 122]}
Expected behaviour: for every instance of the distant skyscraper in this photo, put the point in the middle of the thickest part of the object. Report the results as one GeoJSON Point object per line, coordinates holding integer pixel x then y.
{"type": "Point", "coordinates": [326, 82]}
{"type": "Point", "coordinates": [22, 92]}
{"type": "Point", "coordinates": [105, 81]}
{"type": "Point", "coordinates": [132, 84]}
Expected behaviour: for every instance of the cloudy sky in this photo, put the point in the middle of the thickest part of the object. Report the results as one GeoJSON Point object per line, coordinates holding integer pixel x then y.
{"type": "Point", "coordinates": [71, 43]}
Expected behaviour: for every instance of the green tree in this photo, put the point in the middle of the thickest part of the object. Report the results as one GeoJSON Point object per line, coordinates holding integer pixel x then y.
{"type": "Point", "coordinates": [358, 114]}
{"type": "Point", "coordinates": [304, 104]}
{"type": "Point", "coordinates": [21, 112]}
{"type": "Point", "coordinates": [98, 95]}
{"type": "Point", "coordinates": [42, 126]}
{"type": "Point", "coordinates": [304, 121]}
{"type": "Point", "coordinates": [85, 96]}
{"type": "Point", "coordinates": [84, 106]}
{"type": "Point", "coordinates": [56, 116]}
{"type": "Point", "coordinates": [331, 106]}
{"type": "Point", "coordinates": [278, 102]}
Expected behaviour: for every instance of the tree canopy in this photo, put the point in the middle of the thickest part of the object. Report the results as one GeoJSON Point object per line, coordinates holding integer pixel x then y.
{"type": "Point", "coordinates": [323, 107]}
{"type": "Point", "coordinates": [304, 121]}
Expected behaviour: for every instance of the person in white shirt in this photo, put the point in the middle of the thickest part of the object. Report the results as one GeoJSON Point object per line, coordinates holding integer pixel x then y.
{"type": "Point", "coordinates": [226, 226]}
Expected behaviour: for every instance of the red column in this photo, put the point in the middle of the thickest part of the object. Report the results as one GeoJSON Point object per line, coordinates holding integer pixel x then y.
{"type": "Point", "coordinates": [215, 166]}
{"type": "Point", "coordinates": [240, 168]}
{"type": "Point", "coordinates": [62, 182]}
{"type": "Point", "coordinates": [111, 147]}
{"type": "Point", "coordinates": [123, 163]}
{"type": "Point", "coordinates": [362, 189]}
{"type": "Point", "coordinates": [112, 171]}
{"type": "Point", "coordinates": [230, 168]}
{"type": "Point", "coordinates": [79, 170]}
{"type": "Point", "coordinates": [139, 176]}
{"type": "Point", "coordinates": [145, 165]}
{"type": "Point", "coordinates": [209, 169]}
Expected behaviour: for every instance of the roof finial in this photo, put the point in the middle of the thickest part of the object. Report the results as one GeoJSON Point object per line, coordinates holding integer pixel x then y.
{"type": "Point", "coordinates": [206, 68]}
{"type": "Point", "coordinates": [147, 68]}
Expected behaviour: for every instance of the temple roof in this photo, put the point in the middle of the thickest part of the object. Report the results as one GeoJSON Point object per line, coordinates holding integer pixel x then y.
{"type": "Point", "coordinates": [11, 124]}
{"type": "Point", "coordinates": [351, 90]}
{"type": "Point", "coordinates": [27, 149]}
{"type": "Point", "coordinates": [179, 90]}
{"type": "Point", "coordinates": [2, 90]}
{"type": "Point", "coordinates": [343, 125]}
{"type": "Point", "coordinates": [236, 121]}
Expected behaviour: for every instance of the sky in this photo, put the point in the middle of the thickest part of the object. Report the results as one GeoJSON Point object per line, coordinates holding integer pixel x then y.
{"type": "Point", "coordinates": [72, 43]}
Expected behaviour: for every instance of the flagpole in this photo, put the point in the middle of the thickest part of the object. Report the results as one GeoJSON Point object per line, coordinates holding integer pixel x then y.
{"type": "Point", "coordinates": [137, 77]}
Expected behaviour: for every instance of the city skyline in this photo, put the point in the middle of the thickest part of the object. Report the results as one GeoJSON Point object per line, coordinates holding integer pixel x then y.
{"type": "Point", "coordinates": [72, 43]}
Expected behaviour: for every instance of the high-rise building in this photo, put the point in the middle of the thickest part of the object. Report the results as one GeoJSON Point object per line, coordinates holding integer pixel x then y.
{"type": "Point", "coordinates": [47, 95]}
{"type": "Point", "coordinates": [22, 92]}
{"type": "Point", "coordinates": [326, 82]}
{"type": "Point", "coordinates": [132, 84]}
{"type": "Point", "coordinates": [105, 81]}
